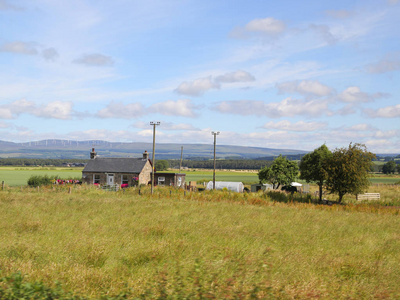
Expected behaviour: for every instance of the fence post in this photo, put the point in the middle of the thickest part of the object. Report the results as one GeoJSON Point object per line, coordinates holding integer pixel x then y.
{"type": "Point", "coordinates": [2, 185]}
{"type": "Point", "coordinates": [69, 190]}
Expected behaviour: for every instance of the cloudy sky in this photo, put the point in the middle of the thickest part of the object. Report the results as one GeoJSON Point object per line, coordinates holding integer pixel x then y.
{"type": "Point", "coordinates": [277, 74]}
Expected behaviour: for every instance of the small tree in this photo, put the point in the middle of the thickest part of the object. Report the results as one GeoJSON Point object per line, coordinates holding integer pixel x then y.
{"type": "Point", "coordinates": [348, 169]}
{"type": "Point", "coordinates": [281, 172]}
{"type": "Point", "coordinates": [313, 167]}
{"type": "Point", "coordinates": [162, 165]}
{"type": "Point", "coordinates": [389, 167]}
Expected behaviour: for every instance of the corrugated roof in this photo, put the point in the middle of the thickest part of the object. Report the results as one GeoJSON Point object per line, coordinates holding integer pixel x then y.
{"type": "Point", "coordinates": [115, 165]}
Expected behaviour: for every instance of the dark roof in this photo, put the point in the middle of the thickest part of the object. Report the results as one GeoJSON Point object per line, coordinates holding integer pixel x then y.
{"type": "Point", "coordinates": [115, 165]}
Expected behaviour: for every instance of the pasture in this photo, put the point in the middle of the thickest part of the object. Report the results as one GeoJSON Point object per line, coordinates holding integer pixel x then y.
{"type": "Point", "coordinates": [199, 245]}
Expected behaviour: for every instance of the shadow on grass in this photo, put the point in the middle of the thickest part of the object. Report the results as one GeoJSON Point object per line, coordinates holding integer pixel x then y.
{"type": "Point", "coordinates": [285, 197]}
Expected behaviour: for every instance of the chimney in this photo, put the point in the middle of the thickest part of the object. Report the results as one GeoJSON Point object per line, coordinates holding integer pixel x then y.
{"type": "Point", "coordinates": [145, 155]}
{"type": "Point", "coordinates": [93, 154]}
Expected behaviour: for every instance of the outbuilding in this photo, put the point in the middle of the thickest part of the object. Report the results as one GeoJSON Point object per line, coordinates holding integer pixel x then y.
{"type": "Point", "coordinates": [170, 179]}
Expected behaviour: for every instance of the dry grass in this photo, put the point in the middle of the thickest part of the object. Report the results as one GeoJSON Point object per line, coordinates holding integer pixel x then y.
{"type": "Point", "coordinates": [218, 243]}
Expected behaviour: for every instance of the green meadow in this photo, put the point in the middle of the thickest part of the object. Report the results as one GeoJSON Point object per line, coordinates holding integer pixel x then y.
{"type": "Point", "coordinates": [196, 245]}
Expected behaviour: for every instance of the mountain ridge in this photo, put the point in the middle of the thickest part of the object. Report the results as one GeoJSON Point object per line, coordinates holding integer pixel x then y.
{"type": "Point", "coordinates": [57, 148]}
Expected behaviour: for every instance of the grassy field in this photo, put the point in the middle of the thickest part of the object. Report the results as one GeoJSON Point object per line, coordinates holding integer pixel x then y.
{"type": "Point", "coordinates": [16, 176]}
{"type": "Point", "coordinates": [200, 245]}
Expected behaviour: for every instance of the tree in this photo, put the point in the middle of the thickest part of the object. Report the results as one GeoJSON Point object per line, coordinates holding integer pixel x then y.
{"type": "Point", "coordinates": [281, 172]}
{"type": "Point", "coordinates": [313, 167]}
{"type": "Point", "coordinates": [162, 165]}
{"type": "Point", "coordinates": [348, 169]}
{"type": "Point", "coordinates": [389, 167]}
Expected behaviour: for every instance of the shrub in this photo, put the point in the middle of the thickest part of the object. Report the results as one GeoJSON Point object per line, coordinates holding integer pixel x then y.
{"type": "Point", "coordinates": [36, 180]}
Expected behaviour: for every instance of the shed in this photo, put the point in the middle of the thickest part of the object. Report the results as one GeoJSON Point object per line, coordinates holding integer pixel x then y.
{"type": "Point", "coordinates": [231, 186]}
{"type": "Point", "coordinates": [169, 179]}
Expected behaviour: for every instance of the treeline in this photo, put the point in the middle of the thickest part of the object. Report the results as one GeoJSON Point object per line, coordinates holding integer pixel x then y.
{"type": "Point", "coordinates": [40, 162]}
{"type": "Point", "coordinates": [240, 164]}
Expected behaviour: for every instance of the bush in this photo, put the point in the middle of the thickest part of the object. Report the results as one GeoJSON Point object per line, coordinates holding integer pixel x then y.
{"type": "Point", "coordinates": [36, 180]}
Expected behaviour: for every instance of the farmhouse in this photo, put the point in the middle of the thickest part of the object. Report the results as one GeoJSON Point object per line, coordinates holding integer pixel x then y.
{"type": "Point", "coordinates": [127, 172]}
{"type": "Point", "coordinates": [117, 171]}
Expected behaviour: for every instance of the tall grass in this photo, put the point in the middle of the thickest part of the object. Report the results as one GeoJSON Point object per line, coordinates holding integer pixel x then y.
{"type": "Point", "coordinates": [196, 245]}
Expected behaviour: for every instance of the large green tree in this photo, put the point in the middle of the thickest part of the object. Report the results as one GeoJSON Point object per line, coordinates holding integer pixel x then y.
{"type": "Point", "coordinates": [313, 167]}
{"type": "Point", "coordinates": [348, 169]}
{"type": "Point", "coordinates": [281, 172]}
{"type": "Point", "coordinates": [389, 167]}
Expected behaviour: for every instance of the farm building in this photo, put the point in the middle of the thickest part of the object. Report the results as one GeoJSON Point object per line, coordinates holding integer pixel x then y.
{"type": "Point", "coordinates": [126, 172]}
{"type": "Point", "coordinates": [117, 171]}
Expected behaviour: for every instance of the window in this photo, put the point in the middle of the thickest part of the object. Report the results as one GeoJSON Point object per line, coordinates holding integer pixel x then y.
{"type": "Point", "coordinates": [179, 183]}
{"type": "Point", "coordinates": [96, 178]}
{"type": "Point", "coordinates": [161, 180]}
{"type": "Point", "coordinates": [124, 179]}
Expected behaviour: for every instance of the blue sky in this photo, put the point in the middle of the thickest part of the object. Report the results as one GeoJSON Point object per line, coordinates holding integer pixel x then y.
{"type": "Point", "coordinates": [276, 74]}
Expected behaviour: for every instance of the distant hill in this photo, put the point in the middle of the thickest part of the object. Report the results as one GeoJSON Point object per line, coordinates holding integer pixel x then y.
{"type": "Point", "coordinates": [80, 149]}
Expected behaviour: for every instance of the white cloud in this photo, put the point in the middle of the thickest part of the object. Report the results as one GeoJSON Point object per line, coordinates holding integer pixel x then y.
{"type": "Point", "coordinates": [10, 111]}
{"type": "Point", "coordinates": [286, 108]}
{"type": "Point", "coordinates": [119, 110]}
{"type": "Point", "coordinates": [238, 76]}
{"type": "Point", "coordinates": [5, 113]}
{"type": "Point", "coordinates": [384, 112]}
{"type": "Point", "coordinates": [269, 26]}
{"type": "Point", "coordinates": [353, 94]}
{"type": "Point", "coordinates": [168, 126]}
{"type": "Point", "coordinates": [390, 63]}
{"type": "Point", "coordinates": [360, 127]}
{"type": "Point", "coordinates": [95, 59]}
{"type": "Point", "coordinates": [305, 87]}
{"type": "Point", "coordinates": [298, 126]}
{"type": "Point", "coordinates": [19, 48]}
{"type": "Point", "coordinates": [382, 144]}
{"type": "Point", "coordinates": [183, 108]}
{"type": "Point", "coordinates": [197, 87]}
{"type": "Point", "coordinates": [55, 110]}
{"type": "Point", "coordinates": [386, 134]}
{"type": "Point", "coordinates": [22, 106]}
{"type": "Point", "coordinates": [324, 33]}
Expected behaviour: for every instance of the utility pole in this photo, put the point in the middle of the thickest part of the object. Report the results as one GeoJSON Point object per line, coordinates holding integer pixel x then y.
{"type": "Point", "coordinates": [180, 164]}
{"type": "Point", "coordinates": [154, 124]}
{"type": "Point", "coordinates": [214, 133]}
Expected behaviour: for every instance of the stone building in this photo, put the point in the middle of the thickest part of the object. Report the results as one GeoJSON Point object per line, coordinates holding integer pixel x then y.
{"type": "Point", "coordinates": [117, 171]}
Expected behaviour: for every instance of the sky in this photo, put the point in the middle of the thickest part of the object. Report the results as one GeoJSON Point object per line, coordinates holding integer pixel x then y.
{"type": "Point", "coordinates": [282, 74]}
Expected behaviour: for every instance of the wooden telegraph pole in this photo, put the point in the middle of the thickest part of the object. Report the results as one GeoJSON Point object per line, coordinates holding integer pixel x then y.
{"type": "Point", "coordinates": [214, 133]}
{"type": "Point", "coordinates": [154, 124]}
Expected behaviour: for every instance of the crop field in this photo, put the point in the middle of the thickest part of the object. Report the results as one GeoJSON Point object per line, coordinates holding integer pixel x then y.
{"type": "Point", "coordinates": [176, 245]}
